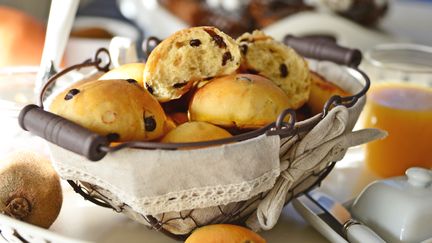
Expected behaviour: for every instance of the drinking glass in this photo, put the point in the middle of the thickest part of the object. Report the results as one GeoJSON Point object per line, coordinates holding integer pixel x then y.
{"type": "Point", "coordinates": [400, 102]}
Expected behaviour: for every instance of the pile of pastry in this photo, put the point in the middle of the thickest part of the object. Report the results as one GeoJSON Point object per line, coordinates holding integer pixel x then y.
{"type": "Point", "coordinates": [197, 85]}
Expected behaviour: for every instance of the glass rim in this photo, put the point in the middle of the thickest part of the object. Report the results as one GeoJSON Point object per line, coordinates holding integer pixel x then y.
{"type": "Point", "coordinates": [370, 56]}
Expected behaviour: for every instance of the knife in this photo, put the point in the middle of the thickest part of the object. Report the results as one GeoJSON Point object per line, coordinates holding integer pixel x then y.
{"type": "Point", "coordinates": [319, 219]}
{"type": "Point", "coordinates": [352, 230]}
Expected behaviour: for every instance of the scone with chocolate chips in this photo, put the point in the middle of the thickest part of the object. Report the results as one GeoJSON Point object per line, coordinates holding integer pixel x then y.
{"type": "Point", "coordinates": [263, 55]}
{"type": "Point", "coordinates": [120, 109]}
{"type": "Point", "coordinates": [187, 57]}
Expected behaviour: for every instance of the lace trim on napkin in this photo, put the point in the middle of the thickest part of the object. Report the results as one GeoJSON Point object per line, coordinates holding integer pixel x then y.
{"type": "Point", "coordinates": [182, 200]}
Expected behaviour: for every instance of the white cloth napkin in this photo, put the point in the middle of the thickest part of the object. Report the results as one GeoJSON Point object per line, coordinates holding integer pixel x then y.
{"type": "Point", "coordinates": [328, 141]}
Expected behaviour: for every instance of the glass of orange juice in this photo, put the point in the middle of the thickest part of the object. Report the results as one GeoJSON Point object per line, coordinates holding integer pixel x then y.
{"type": "Point", "coordinates": [400, 102]}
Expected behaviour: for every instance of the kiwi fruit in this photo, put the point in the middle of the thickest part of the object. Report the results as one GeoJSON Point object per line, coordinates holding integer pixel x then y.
{"type": "Point", "coordinates": [30, 188]}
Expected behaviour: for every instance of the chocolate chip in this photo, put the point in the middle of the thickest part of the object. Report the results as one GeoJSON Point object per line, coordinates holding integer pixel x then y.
{"type": "Point", "coordinates": [195, 42]}
{"type": "Point", "coordinates": [179, 85]}
{"type": "Point", "coordinates": [252, 71]}
{"type": "Point", "coordinates": [149, 123]}
{"type": "Point", "coordinates": [131, 80]}
{"type": "Point", "coordinates": [113, 137]}
{"type": "Point", "coordinates": [71, 94]}
{"type": "Point", "coordinates": [217, 38]}
{"type": "Point", "coordinates": [244, 39]}
{"type": "Point", "coordinates": [226, 56]}
{"type": "Point", "coordinates": [283, 70]}
{"type": "Point", "coordinates": [149, 88]}
{"type": "Point", "coordinates": [244, 49]}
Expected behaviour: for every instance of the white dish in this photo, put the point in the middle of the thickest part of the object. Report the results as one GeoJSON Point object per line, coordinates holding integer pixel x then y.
{"type": "Point", "coordinates": [398, 208]}
{"type": "Point", "coordinates": [405, 220]}
{"type": "Point", "coordinates": [345, 31]}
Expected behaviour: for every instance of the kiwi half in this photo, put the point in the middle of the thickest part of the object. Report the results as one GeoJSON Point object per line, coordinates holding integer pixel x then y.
{"type": "Point", "coordinates": [30, 189]}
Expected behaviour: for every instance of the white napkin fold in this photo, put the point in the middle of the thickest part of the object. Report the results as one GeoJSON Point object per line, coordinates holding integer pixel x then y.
{"type": "Point", "coordinates": [328, 141]}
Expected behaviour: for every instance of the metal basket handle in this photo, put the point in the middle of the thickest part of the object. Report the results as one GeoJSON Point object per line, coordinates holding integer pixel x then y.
{"type": "Point", "coordinates": [316, 47]}
{"type": "Point", "coordinates": [62, 132]}
{"type": "Point", "coordinates": [80, 140]}
{"type": "Point", "coordinates": [323, 49]}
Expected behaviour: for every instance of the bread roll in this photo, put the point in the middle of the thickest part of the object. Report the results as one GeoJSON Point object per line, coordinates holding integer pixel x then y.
{"type": "Point", "coordinates": [118, 108]}
{"type": "Point", "coordinates": [262, 55]}
{"type": "Point", "coordinates": [195, 132]}
{"type": "Point", "coordinates": [321, 91]}
{"type": "Point", "coordinates": [238, 100]}
{"type": "Point", "coordinates": [188, 56]}
{"type": "Point", "coordinates": [127, 71]}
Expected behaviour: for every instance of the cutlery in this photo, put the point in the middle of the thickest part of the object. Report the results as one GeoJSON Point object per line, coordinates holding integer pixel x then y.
{"type": "Point", "coordinates": [319, 219]}
{"type": "Point", "coordinates": [352, 230]}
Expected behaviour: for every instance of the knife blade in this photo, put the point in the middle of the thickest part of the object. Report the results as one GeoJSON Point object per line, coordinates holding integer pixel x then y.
{"type": "Point", "coordinates": [353, 230]}
{"type": "Point", "coordinates": [319, 219]}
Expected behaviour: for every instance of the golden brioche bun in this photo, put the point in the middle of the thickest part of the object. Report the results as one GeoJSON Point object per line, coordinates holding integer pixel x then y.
{"type": "Point", "coordinates": [113, 107]}
{"type": "Point", "coordinates": [189, 55]}
{"type": "Point", "coordinates": [321, 91]}
{"type": "Point", "coordinates": [238, 100]}
{"type": "Point", "coordinates": [195, 132]}
{"type": "Point", "coordinates": [224, 233]}
{"type": "Point", "coordinates": [21, 38]}
{"type": "Point", "coordinates": [263, 55]}
{"type": "Point", "coordinates": [127, 71]}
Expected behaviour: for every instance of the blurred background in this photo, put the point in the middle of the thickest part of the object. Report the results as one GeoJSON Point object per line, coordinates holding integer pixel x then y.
{"type": "Point", "coordinates": [356, 23]}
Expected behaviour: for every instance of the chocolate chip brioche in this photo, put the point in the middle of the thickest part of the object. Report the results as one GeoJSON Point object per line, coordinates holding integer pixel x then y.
{"type": "Point", "coordinates": [188, 56]}
{"type": "Point", "coordinates": [120, 109]}
{"type": "Point", "coordinates": [195, 132]}
{"type": "Point", "coordinates": [321, 91]}
{"type": "Point", "coordinates": [238, 101]}
{"type": "Point", "coordinates": [126, 71]}
{"type": "Point", "coordinates": [263, 55]}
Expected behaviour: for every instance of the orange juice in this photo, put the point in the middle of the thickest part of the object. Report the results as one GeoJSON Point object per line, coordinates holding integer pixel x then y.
{"type": "Point", "coordinates": [405, 112]}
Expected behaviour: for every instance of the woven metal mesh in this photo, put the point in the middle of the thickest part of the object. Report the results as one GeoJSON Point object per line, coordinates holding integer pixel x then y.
{"type": "Point", "coordinates": [187, 220]}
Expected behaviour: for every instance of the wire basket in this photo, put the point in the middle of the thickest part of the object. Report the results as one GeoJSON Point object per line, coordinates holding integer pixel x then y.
{"type": "Point", "coordinates": [179, 224]}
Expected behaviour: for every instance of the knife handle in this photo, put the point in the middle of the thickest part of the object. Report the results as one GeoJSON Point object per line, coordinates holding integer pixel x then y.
{"type": "Point", "coordinates": [359, 233]}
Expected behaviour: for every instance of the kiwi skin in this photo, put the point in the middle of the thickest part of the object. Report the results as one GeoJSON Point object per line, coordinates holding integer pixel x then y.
{"type": "Point", "coordinates": [30, 188]}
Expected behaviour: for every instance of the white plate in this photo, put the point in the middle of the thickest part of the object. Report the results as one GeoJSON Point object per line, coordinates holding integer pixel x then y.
{"type": "Point", "coordinates": [346, 32]}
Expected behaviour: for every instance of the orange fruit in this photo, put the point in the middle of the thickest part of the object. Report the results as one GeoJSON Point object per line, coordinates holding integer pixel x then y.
{"type": "Point", "coordinates": [224, 233]}
{"type": "Point", "coordinates": [21, 38]}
